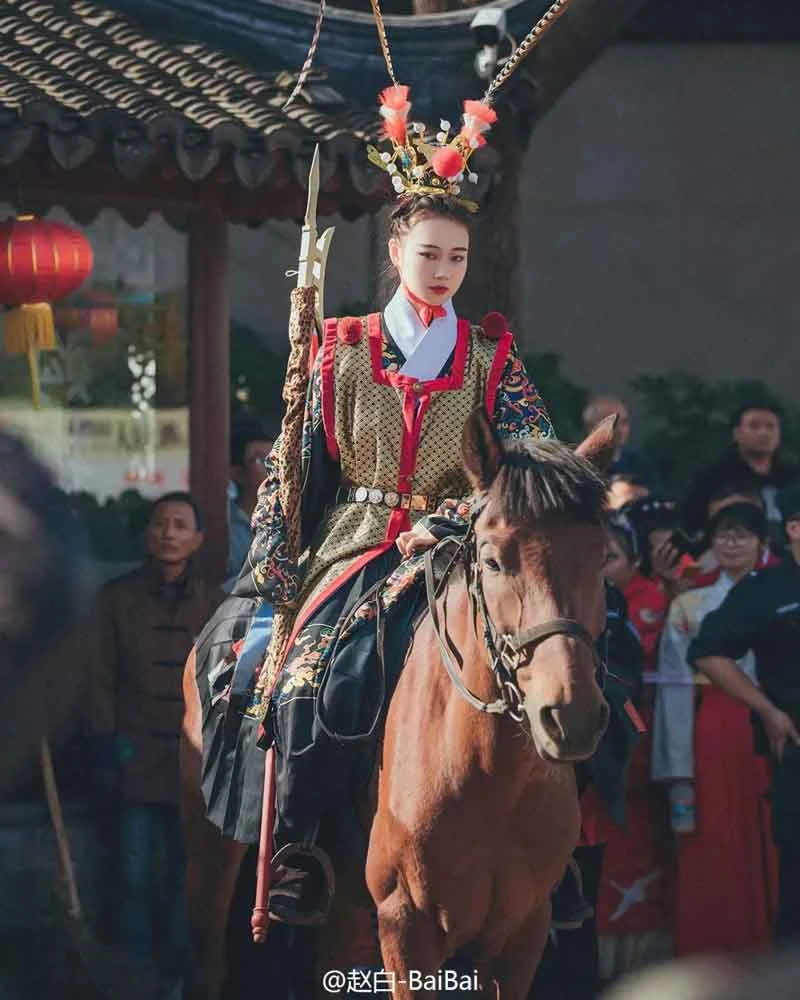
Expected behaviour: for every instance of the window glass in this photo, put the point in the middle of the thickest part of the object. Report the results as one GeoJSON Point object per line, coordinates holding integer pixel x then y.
{"type": "Point", "coordinates": [113, 423]}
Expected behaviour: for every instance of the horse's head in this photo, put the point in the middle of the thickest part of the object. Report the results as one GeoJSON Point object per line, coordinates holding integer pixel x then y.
{"type": "Point", "coordinates": [540, 551]}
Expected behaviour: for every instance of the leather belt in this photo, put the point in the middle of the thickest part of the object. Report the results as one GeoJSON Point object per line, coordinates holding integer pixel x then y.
{"type": "Point", "coordinates": [388, 498]}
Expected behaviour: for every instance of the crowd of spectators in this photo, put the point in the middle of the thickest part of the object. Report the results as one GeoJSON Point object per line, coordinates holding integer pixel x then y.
{"type": "Point", "coordinates": [703, 854]}
{"type": "Point", "coordinates": [706, 859]}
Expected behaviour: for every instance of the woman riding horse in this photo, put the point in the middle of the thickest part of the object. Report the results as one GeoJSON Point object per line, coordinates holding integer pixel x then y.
{"type": "Point", "coordinates": [388, 398]}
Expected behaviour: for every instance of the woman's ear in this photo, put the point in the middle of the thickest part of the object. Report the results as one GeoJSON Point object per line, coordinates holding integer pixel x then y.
{"type": "Point", "coordinates": [394, 252]}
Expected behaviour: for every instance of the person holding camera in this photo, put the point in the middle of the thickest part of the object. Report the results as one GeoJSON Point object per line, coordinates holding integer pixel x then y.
{"type": "Point", "coordinates": [762, 614]}
{"type": "Point", "coordinates": [703, 751]}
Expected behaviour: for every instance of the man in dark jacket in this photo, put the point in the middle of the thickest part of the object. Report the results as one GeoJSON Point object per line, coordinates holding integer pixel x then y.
{"type": "Point", "coordinates": [752, 461]}
{"type": "Point", "coordinates": [144, 627]}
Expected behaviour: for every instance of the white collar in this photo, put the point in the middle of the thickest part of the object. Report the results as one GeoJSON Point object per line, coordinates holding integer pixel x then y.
{"type": "Point", "coordinates": [425, 356]}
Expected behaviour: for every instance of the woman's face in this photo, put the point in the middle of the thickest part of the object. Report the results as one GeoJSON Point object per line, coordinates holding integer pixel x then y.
{"type": "Point", "coordinates": [431, 258]}
{"type": "Point", "coordinates": [736, 549]}
{"type": "Point", "coordinates": [619, 568]}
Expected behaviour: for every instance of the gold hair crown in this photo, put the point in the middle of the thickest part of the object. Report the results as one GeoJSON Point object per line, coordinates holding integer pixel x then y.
{"type": "Point", "coordinates": [419, 166]}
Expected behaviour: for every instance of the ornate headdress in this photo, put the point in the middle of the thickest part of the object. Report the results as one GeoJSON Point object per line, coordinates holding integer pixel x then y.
{"type": "Point", "coordinates": [425, 162]}
{"type": "Point", "coordinates": [418, 165]}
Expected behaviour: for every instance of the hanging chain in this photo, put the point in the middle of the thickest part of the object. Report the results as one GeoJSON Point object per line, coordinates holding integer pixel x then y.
{"type": "Point", "coordinates": [312, 51]}
{"type": "Point", "coordinates": [387, 56]}
{"type": "Point", "coordinates": [529, 42]}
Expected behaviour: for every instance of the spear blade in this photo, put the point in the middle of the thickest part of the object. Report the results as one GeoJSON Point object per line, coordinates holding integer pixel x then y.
{"type": "Point", "coordinates": [308, 237]}
{"type": "Point", "coordinates": [313, 249]}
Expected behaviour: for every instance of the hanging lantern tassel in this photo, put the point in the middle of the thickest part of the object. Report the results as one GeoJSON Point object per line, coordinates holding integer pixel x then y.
{"type": "Point", "coordinates": [28, 329]}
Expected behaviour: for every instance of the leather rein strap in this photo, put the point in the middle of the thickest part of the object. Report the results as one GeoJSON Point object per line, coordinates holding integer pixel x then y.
{"type": "Point", "coordinates": [505, 651]}
{"type": "Point", "coordinates": [497, 707]}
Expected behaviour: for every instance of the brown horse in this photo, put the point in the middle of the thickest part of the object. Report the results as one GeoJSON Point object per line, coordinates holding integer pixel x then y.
{"type": "Point", "coordinates": [477, 814]}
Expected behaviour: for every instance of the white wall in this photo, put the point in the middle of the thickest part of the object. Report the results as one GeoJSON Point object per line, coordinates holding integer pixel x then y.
{"type": "Point", "coordinates": [662, 217]}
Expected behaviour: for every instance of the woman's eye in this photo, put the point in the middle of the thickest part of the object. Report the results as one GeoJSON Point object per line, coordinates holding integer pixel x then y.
{"type": "Point", "coordinates": [428, 256]}
{"type": "Point", "coordinates": [458, 260]}
{"type": "Point", "coordinates": [492, 564]}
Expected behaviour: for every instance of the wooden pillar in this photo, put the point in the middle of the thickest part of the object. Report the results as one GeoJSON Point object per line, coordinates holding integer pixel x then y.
{"type": "Point", "coordinates": [209, 355]}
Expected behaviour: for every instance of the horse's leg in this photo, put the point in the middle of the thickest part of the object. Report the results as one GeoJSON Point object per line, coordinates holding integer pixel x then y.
{"type": "Point", "coordinates": [515, 968]}
{"type": "Point", "coordinates": [411, 942]}
{"type": "Point", "coordinates": [212, 861]}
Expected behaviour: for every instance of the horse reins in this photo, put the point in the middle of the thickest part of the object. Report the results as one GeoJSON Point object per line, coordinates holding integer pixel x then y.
{"type": "Point", "coordinates": [506, 651]}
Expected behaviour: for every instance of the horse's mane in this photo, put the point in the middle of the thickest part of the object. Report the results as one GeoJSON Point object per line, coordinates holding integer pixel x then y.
{"type": "Point", "coordinates": [544, 478]}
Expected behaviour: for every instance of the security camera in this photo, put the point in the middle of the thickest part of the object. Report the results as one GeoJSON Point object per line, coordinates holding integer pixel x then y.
{"type": "Point", "coordinates": [488, 27]}
{"type": "Point", "coordinates": [486, 62]}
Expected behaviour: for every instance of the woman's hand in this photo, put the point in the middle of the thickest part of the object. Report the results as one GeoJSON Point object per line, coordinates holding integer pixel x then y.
{"type": "Point", "coordinates": [411, 542]}
{"type": "Point", "coordinates": [780, 729]}
{"type": "Point", "coordinates": [665, 561]}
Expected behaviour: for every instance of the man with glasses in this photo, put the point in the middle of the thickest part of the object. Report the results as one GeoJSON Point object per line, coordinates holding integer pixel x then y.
{"type": "Point", "coordinates": [762, 614]}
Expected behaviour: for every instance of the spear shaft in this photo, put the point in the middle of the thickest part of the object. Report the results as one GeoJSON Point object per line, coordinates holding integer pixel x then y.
{"type": "Point", "coordinates": [305, 330]}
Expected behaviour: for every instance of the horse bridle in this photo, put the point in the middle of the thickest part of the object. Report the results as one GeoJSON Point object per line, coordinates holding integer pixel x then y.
{"type": "Point", "coordinates": [507, 651]}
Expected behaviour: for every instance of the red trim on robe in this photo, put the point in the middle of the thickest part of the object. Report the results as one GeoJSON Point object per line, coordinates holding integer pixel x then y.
{"type": "Point", "coordinates": [327, 387]}
{"type": "Point", "coordinates": [312, 352]}
{"type": "Point", "coordinates": [454, 380]}
{"type": "Point", "coordinates": [496, 371]}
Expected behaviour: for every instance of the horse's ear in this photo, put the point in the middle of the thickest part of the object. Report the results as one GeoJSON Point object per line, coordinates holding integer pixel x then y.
{"type": "Point", "coordinates": [599, 447]}
{"type": "Point", "coordinates": [481, 450]}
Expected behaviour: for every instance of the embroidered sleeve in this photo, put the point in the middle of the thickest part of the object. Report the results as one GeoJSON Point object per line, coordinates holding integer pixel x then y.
{"type": "Point", "coordinates": [519, 410]}
{"type": "Point", "coordinates": [270, 571]}
{"type": "Point", "coordinates": [450, 518]}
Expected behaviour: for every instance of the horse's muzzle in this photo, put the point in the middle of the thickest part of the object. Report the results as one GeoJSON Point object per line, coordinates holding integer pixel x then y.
{"type": "Point", "coordinates": [566, 733]}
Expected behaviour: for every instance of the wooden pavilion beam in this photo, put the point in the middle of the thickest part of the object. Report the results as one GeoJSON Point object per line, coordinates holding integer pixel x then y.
{"type": "Point", "coordinates": [209, 409]}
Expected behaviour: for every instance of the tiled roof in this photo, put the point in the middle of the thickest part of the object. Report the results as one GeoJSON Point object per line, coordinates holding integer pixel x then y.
{"type": "Point", "coordinates": [88, 77]}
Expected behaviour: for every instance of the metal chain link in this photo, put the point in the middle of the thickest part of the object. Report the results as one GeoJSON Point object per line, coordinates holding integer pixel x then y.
{"type": "Point", "coordinates": [529, 42]}
{"type": "Point", "coordinates": [312, 51]}
{"type": "Point", "coordinates": [384, 41]}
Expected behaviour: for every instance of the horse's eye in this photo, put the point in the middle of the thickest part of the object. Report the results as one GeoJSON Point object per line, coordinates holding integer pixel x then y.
{"type": "Point", "coordinates": [492, 564]}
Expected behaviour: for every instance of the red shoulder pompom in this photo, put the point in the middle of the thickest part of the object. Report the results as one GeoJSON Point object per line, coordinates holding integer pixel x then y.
{"type": "Point", "coordinates": [494, 325]}
{"type": "Point", "coordinates": [350, 330]}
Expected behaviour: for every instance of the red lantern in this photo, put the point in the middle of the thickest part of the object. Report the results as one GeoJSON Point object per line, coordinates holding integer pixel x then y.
{"type": "Point", "coordinates": [40, 261]}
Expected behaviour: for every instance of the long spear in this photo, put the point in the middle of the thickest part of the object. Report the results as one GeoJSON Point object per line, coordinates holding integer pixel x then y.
{"type": "Point", "coordinates": [305, 331]}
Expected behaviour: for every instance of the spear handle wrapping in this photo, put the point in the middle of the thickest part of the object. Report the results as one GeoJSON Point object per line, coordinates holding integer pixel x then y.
{"type": "Point", "coordinates": [302, 333]}
{"type": "Point", "coordinates": [302, 337]}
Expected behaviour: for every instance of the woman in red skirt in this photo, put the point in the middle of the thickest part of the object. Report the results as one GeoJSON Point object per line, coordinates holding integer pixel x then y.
{"type": "Point", "coordinates": [703, 747]}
